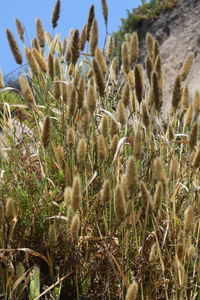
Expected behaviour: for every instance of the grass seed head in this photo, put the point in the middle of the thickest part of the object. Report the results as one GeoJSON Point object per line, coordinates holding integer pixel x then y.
{"type": "Point", "coordinates": [132, 291]}
{"type": "Point", "coordinates": [56, 14]}
{"type": "Point", "coordinates": [93, 37]}
{"type": "Point", "coordinates": [138, 143]}
{"type": "Point", "coordinates": [157, 201]}
{"type": "Point", "coordinates": [14, 47]}
{"type": "Point", "coordinates": [76, 193]}
{"type": "Point", "coordinates": [20, 29]}
{"type": "Point", "coordinates": [193, 136]}
{"type": "Point", "coordinates": [40, 33]}
{"type": "Point", "coordinates": [188, 116]}
{"type": "Point", "coordinates": [91, 16]}
{"type": "Point", "coordinates": [114, 142]}
{"type": "Point", "coordinates": [105, 11]}
{"type": "Point", "coordinates": [185, 98]}
{"type": "Point", "coordinates": [52, 236]}
{"type": "Point", "coordinates": [186, 67]}
{"type": "Point", "coordinates": [196, 159]}
{"type": "Point", "coordinates": [121, 112]}
{"type": "Point", "coordinates": [125, 57]}
{"type": "Point", "coordinates": [70, 137]}
{"type": "Point", "coordinates": [40, 60]}
{"type": "Point", "coordinates": [139, 82]}
{"type": "Point", "coordinates": [150, 44]}
{"type": "Point", "coordinates": [91, 96]}
{"type": "Point", "coordinates": [83, 38]}
{"type": "Point", "coordinates": [51, 65]}
{"type": "Point", "coordinates": [131, 173]}
{"type": "Point", "coordinates": [177, 93]}
{"type": "Point", "coordinates": [188, 219]}
{"type": "Point", "coordinates": [101, 148]}
{"type": "Point", "coordinates": [160, 172]}
{"type": "Point", "coordinates": [106, 192]}
{"type": "Point", "coordinates": [10, 210]}
{"type": "Point", "coordinates": [120, 203]}
{"type": "Point", "coordinates": [99, 79]}
{"type": "Point", "coordinates": [82, 151]}
{"type": "Point", "coordinates": [133, 49]}
{"type": "Point", "coordinates": [75, 226]}
{"type": "Point", "coordinates": [45, 135]}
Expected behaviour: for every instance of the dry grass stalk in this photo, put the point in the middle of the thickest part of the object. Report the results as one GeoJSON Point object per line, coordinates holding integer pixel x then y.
{"type": "Point", "coordinates": [120, 203]}
{"type": "Point", "coordinates": [14, 47]}
{"type": "Point", "coordinates": [100, 83]}
{"type": "Point", "coordinates": [56, 14]}
{"type": "Point", "coordinates": [40, 33]}
{"type": "Point", "coordinates": [93, 37]}
{"type": "Point", "coordinates": [132, 291]}
{"type": "Point", "coordinates": [76, 193]}
{"type": "Point", "coordinates": [20, 29]}
{"type": "Point", "coordinates": [45, 135]}
{"type": "Point", "coordinates": [2, 218]}
{"type": "Point", "coordinates": [170, 132]}
{"type": "Point", "coordinates": [75, 226]}
{"type": "Point", "coordinates": [105, 11]}
{"type": "Point", "coordinates": [131, 173]}
{"type": "Point", "coordinates": [91, 16]}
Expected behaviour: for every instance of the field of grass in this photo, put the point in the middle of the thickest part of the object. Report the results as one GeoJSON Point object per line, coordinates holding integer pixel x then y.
{"type": "Point", "coordinates": [100, 199]}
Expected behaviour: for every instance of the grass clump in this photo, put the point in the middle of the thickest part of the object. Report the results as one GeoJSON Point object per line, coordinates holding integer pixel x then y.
{"type": "Point", "coordinates": [100, 194]}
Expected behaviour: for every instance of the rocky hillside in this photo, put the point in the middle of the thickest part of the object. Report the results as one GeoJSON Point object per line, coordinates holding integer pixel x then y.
{"type": "Point", "coordinates": [177, 31]}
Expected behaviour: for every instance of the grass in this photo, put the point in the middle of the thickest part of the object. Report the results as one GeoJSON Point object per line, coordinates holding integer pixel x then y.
{"type": "Point", "coordinates": [100, 198]}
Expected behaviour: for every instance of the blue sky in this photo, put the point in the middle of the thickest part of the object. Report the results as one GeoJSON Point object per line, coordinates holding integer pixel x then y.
{"type": "Point", "coordinates": [73, 15]}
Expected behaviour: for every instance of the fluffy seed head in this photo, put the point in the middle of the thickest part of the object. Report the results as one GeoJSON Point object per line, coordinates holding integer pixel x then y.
{"type": "Point", "coordinates": [91, 97]}
{"type": "Point", "coordinates": [74, 47]}
{"type": "Point", "coordinates": [126, 94]}
{"type": "Point", "coordinates": [26, 90]}
{"type": "Point", "coordinates": [14, 47]}
{"type": "Point", "coordinates": [51, 65]}
{"type": "Point", "coordinates": [120, 203]}
{"type": "Point", "coordinates": [70, 137]}
{"type": "Point", "coordinates": [40, 33]}
{"type": "Point", "coordinates": [160, 172]}
{"type": "Point", "coordinates": [196, 160]}
{"type": "Point", "coordinates": [132, 291]}
{"type": "Point", "coordinates": [121, 112]}
{"type": "Point", "coordinates": [149, 66]}
{"type": "Point", "coordinates": [83, 38]}
{"type": "Point", "coordinates": [2, 215]}
{"type": "Point", "coordinates": [133, 48]}
{"type": "Point", "coordinates": [188, 116]}
{"type": "Point", "coordinates": [125, 57]}
{"type": "Point", "coordinates": [176, 97]}
{"type": "Point", "coordinates": [131, 173]}
{"type": "Point", "coordinates": [68, 196]}
{"type": "Point", "coordinates": [76, 193]}
{"type": "Point", "coordinates": [20, 29]}
{"type": "Point", "coordinates": [75, 226]}
{"type": "Point", "coordinates": [150, 44]}
{"type": "Point", "coordinates": [40, 60]}
{"type": "Point", "coordinates": [196, 104]}
{"type": "Point", "coordinates": [145, 115]}
{"type": "Point", "coordinates": [106, 192]}
{"type": "Point", "coordinates": [82, 151]}
{"type": "Point", "coordinates": [105, 126]}
{"type": "Point", "coordinates": [90, 20]}
{"type": "Point", "coordinates": [188, 219]}
{"type": "Point", "coordinates": [109, 49]}
{"type": "Point", "coordinates": [158, 196]}
{"type": "Point", "coordinates": [10, 209]}
{"type": "Point", "coordinates": [186, 67]}
{"type": "Point", "coordinates": [52, 235]}
{"type": "Point", "coordinates": [45, 135]}
{"type": "Point", "coordinates": [56, 14]}
{"type": "Point", "coordinates": [114, 142]}
{"type": "Point", "coordinates": [105, 11]}
{"type": "Point", "coordinates": [93, 37]}
{"type": "Point", "coordinates": [101, 61]}
{"type": "Point", "coordinates": [139, 82]}
{"type": "Point", "coordinates": [185, 98]}
{"type": "Point", "coordinates": [32, 61]}
{"type": "Point", "coordinates": [101, 148]}
{"type": "Point", "coordinates": [84, 118]}
{"type": "Point", "coordinates": [138, 143]}
{"type": "Point", "coordinates": [157, 92]}
{"type": "Point", "coordinates": [193, 136]}
{"type": "Point", "coordinates": [100, 83]}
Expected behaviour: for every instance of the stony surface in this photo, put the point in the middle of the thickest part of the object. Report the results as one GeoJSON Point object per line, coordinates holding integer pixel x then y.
{"type": "Point", "coordinates": [178, 32]}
